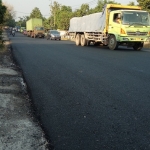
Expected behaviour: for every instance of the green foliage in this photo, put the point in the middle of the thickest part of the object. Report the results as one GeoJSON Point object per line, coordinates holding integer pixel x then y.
{"type": "Point", "coordinates": [61, 14]}
{"type": "Point", "coordinates": [54, 9]}
{"type": "Point", "coordinates": [84, 10]}
{"type": "Point", "coordinates": [9, 16]}
{"type": "Point", "coordinates": [63, 17]}
{"type": "Point", "coordinates": [145, 4]}
{"type": "Point", "coordinates": [131, 4]}
{"type": "Point", "coordinates": [22, 21]}
{"type": "Point", "coordinates": [46, 23]}
{"type": "Point", "coordinates": [8, 19]}
{"type": "Point", "coordinates": [100, 5]}
{"type": "Point", "coordinates": [2, 13]}
{"type": "Point", "coordinates": [36, 13]}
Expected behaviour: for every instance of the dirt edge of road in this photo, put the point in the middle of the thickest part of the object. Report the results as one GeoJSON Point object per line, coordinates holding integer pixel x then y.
{"type": "Point", "coordinates": [20, 127]}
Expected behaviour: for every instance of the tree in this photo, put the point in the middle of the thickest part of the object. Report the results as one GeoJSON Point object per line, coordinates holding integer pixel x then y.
{"type": "Point", "coordinates": [101, 4]}
{"type": "Point", "coordinates": [36, 13]}
{"type": "Point", "coordinates": [131, 4]}
{"type": "Point", "coordinates": [46, 23]}
{"type": "Point", "coordinates": [54, 9]}
{"type": "Point", "coordinates": [84, 10]}
{"type": "Point", "coordinates": [145, 4]}
{"type": "Point", "coordinates": [63, 17]}
{"type": "Point", "coordinates": [9, 17]}
{"type": "Point", "coordinates": [2, 12]}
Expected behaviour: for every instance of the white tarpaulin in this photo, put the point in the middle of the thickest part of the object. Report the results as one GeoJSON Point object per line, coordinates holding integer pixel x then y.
{"type": "Point", "coordinates": [89, 23]}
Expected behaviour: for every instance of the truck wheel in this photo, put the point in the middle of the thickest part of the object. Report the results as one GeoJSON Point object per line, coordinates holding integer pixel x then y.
{"type": "Point", "coordinates": [138, 46]}
{"type": "Point", "coordinates": [78, 39]}
{"type": "Point", "coordinates": [83, 40]}
{"type": "Point", "coordinates": [96, 43]}
{"type": "Point", "coordinates": [88, 42]}
{"type": "Point", "coordinates": [112, 43]}
{"type": "Point", "coordinates": [47, 38]}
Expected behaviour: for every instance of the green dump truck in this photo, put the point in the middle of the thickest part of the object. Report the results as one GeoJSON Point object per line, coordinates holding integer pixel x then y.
{"type": "Point", "coordinates": [116, 25]}
{"type": "Point", "coordinates": [34, 28]}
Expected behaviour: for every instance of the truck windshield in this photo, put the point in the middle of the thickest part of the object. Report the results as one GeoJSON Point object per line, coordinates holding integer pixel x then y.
{"type": "Point", "coordinates": [135, 18]}
{"type": "Point", "coordinates": [39, 28]}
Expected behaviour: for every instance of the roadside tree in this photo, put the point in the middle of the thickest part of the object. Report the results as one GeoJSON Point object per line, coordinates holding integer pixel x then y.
{"type": "Point", "coordinates": [131, 4]}
{"type": "Point", "coordinates": [36, 13]}
{"type": "Point", "coordinates": [2, 13]}
{"type": "Point", "coordinates": [54, 9]}
{"type": "Point", "coordinates": [145, 4]}
{"type": "Point", "coordinates": [83, 10]}
{"type": "Point", "coordinates": [101, 4]}
{"type": "Point", "coordinates": [63, 17]}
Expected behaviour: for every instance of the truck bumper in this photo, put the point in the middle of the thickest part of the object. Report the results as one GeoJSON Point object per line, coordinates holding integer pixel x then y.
{"type": "Point", "coordinates": [132, 39]}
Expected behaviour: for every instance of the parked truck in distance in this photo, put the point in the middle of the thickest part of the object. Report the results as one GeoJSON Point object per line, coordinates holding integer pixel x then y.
{"type": "Point", "coordinates": [132, 30]}
{"type": "Point", "coordinates": [34, 28]}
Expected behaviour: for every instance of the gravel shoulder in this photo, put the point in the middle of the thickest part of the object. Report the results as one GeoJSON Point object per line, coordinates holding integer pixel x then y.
{"type": "Point", "coordinates": [19, 128]}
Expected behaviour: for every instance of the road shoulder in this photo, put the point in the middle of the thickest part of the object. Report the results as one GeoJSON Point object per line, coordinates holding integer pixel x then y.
{"type": "Point", "coordinates": [20, 130]}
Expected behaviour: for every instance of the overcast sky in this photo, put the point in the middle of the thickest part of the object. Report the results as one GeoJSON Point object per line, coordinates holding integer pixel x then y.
{"type": "Point", "coordinates": [25, 7]}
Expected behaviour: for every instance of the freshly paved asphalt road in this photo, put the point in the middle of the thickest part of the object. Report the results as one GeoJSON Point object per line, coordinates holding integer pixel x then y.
{"type": "Point", "coordinates": [88, 98]}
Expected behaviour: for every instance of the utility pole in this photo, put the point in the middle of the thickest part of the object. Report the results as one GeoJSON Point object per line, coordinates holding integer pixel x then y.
{"type": "Point", "coordinates": [52, 9]}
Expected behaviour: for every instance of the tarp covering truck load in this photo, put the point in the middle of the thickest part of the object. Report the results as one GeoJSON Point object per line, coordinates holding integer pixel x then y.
{"type": "Point", "coordinates": [132, 30]}
{"type": "Point", "coordinates": [34, 28]}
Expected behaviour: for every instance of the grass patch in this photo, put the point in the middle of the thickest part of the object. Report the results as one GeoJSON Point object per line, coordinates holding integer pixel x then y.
{"type": "Point", "coordinates": [3, 49]}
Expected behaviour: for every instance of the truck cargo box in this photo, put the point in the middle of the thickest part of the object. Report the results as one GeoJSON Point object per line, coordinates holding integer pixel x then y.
{"type": "Point", "coordinates": [30, 24]}
{"type": "Point", "coordinates": [89, 23]}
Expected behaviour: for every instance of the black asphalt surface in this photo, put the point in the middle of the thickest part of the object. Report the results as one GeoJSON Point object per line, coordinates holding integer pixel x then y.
{"type": "Point", "coordinates": [88, 98]}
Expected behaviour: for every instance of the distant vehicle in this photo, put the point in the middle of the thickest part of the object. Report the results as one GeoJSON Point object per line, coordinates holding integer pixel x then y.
{"type": "Point", "coordinates": [13, 32]}
{"type": "Point", "coordinates": [35, 28]}
{"type": "Point", "coordinates": [53, 35]}
{"type": "Point", "coordinates": [24, 32]}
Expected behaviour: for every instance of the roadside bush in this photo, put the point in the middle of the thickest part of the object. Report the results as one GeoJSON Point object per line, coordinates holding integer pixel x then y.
{"type": "Point", "coordinates": [2, 13]}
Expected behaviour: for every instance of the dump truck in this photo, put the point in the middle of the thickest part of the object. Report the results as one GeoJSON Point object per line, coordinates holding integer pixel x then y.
{"type": "Point", "coordinates": [102, 28]}
{"type": "Point", "coordinates": [34, 28]}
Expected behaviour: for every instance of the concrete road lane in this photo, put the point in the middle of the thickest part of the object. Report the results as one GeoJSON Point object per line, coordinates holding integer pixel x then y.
{"type": "Point", "coordinates": [88, 98]}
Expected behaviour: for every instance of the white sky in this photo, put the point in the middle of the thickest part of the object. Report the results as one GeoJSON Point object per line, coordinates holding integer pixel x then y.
{"type": "Point", "coordinates": [25, 7]}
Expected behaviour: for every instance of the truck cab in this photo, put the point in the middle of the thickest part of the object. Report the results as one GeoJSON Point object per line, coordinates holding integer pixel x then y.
{"type": "Point", "coordinates": [39, 32]}
{"type": "Point", "coordinates": [132, 30]}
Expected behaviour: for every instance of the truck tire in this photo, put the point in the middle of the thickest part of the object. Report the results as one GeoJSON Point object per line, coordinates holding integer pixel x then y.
{"type": "Point", "coordinates": [112, 42]}
{"type": "Point", "coordinates": [83, 40]}
{"type": "Point", "coordinates": [78, 39]}
{"type": "Point", "coordinates": [88, 42]}
{"type": "Point", "coordinates": [96, 43]}
{"type": "Point", "coordinates": [138, 46]}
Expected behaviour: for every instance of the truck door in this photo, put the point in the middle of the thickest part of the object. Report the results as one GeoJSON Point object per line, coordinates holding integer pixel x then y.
{"type": "Point", "coordinates": [114, 23]}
